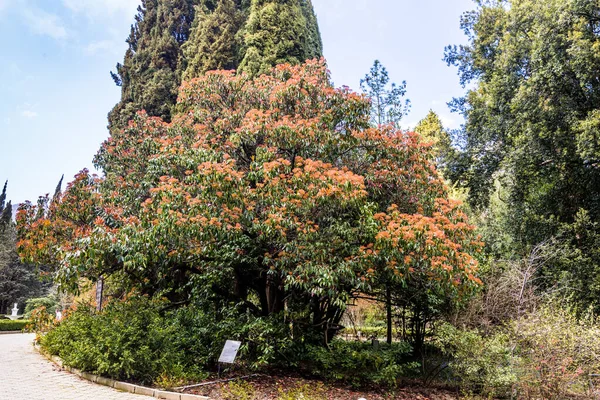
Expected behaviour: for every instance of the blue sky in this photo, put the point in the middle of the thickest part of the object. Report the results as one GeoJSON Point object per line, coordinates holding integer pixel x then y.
{"type": "Point", "coordinates": [56, 90]}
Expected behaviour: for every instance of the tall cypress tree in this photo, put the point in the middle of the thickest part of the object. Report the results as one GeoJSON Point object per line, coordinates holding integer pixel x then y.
{"type": "Point", "coordinates": [278, 31]}
{"type": "Point", "coordinates": [175, 39]}
{"type": "Point", "coordinates": [314, 44]}
{"type": "Point", "coordinates": [214, 43]}
{"type": "Point", "coordinates": [150, 73]}
{"type": "Point", "coordinates": [5, 210]}
{"type": "Point", "coordinates": [18, 281]}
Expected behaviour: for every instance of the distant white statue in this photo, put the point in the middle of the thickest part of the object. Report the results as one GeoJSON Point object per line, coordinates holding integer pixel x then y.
{"type": "Point", "coordinates": [15, 310]}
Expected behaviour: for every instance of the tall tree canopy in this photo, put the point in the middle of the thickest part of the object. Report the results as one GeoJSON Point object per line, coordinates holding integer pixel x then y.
{"type": "Point", "coordinates": [532, 120]}
{"type": "Point", "coordinates": [432, 131]}
{"type": "Point", "coordinates": [388, 105]}
{"type": "Point", "coordinates": [214, 42]}
{"type": "Point", "coordinates": [172, 39]}
{"type": "Point", "coordinates": [150, 73]}
{"type": "Point", "coordinates": [279, 31]}
{"type": "Point", "coordinates": [273, 192]}
{"type": "Point", "coordinates": [18, 281]}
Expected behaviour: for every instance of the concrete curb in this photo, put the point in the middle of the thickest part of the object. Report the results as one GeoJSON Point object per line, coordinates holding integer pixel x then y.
{"type": "Point", "coordinates": [122, 386]}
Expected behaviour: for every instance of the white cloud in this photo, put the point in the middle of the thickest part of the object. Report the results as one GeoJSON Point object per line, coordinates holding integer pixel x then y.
{"type": "Point", "coordinates": [449, 122]}
{"type": "Point", "coordinates": [103, 46]}
{"type": "Point", "coordinates": [29, 114]}
{"type": "Point", "coordinates": [44, 23]}
{"type": "Point", "coordinates": [102, 8]}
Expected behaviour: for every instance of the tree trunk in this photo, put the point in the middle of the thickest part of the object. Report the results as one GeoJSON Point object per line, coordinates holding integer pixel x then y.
{"type": "Point", "coordinates": [388, 310]}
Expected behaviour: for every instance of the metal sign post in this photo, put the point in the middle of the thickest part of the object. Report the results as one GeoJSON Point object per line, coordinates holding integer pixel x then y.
{"type": "Point", "coordinates": [228, 353]}
{"type": "Point", "coordinates": [99, 290]}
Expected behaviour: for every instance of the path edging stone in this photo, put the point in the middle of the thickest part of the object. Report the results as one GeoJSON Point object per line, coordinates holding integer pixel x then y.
{"type": "Point", "coordinates": [122, 386]}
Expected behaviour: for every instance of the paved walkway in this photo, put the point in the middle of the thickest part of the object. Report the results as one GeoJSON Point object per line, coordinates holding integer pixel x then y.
{"type": "Point", "coordinates": [26, 375]}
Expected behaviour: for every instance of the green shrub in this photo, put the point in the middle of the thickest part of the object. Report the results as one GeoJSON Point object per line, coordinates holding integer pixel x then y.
{"type": "Point", "coordinates": [128, 340]}
{"type": "Point", "coordinates": [239, 390]}
{"type": "Point", "coordinates": [549, 353]}
{"type": "Point", "coordinates": [50, 303]}
{"type": "Point", "coordinates": [141, 340]}
{"type": "Point", "coordinates": [303, 392]}
{"type": "Point", "coordinates": [17, 325]}
{"type": "Point", "coordinates": [480, 364]}
{"type": "Point", "coordinates": [559, 351]}
{"type": "Point", "coordinates": [360, 363]}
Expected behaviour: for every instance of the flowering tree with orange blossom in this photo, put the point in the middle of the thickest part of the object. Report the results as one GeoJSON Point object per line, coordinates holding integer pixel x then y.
{"type": "Point", "coordinates": [272, 193]}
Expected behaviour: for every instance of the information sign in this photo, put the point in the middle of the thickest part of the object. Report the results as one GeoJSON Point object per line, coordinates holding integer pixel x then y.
{"type": "Point", "coordinates": [229, 351]}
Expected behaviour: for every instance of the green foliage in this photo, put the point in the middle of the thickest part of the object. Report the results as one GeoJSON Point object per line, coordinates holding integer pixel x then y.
{"type": "Point", "coordinates": [50, 303]}
{"type": "Point", "coordinates": [307, 391]}
{"type": "Point", "coordinates": [239, 390]}
{"type": "Point", "coordinates": [531, 123]}
{"type": "Point", "coordinates": [128, 340]}
{"type": "Point", "coordinates": [150, 73]}
{"type": "Point", "coordinates": [432, 131]}
{"type": "Point", "coordinates": [360, 363]}
{"type": "Point", "coordinates": [16, 325]}
{"type": "Point", "coordinates": [278, 32]}
{"type": "Point", "coordinates": [214, 40]}
{"type": "Point", "coordinates": [480, 364]}
{"type": "Point", "coordinates": [387, 105]}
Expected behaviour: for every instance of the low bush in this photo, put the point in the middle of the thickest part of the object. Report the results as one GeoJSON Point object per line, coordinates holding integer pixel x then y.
{"type": "Point", "coordinates": [145, 341]}
{"type": "Point", "coordinates": [559, 353]}
{"type": "Point", "coordinates": [549, 353]}
{"type": "Point", "coordinates": [17, 325]}
{"type": "Point", "coordinates": [128, 340]}
{"type": "Point", "coordinates": [360, 363]}
{"type": "Point", "coordinates": [483, 364]}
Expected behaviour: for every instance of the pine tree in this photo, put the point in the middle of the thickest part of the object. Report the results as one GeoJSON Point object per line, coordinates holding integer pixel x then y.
{"type": "Point", "coordinates": [387, 100]}
{"type": "Point", "coordinates": [278, 31]}
{"type": "Point", "coordinates": [149, 76]}
{"type": "Point", "coordinates": [213, 43]}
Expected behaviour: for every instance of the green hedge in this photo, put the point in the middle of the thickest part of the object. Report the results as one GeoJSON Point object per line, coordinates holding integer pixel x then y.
{"type": "Point", "coordinates": [8, 325]}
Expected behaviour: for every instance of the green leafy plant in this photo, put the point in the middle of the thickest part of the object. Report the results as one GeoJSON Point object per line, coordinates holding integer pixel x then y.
{"type": "Point", "coordinates": [478, 363]}
{"type": "Point", "coordinates": [239, 390]}
{"type": "Point", "coordinates": [360, 363]}
{"type": "Point", "coordinates": [306, 391]}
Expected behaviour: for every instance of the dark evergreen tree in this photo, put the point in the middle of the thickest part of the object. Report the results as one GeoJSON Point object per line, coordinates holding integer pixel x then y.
{"type": "Point", "coordinates": [214, 43]}
{"type": "Point", "coordinates": [314, 44]}
{"type": "Point", "coordinates": [5, 210]}
{"type": "Point", "coordinates": [150, 74]}
{"type": "Point", "coordinates": [167, 43]}
{"type": "Point", "coordinates": [18, 281]}
{"type": "Point", "coordinates": [278, 31]}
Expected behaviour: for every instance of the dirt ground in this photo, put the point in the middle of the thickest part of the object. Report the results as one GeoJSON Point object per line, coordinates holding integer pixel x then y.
{"type": "Point", "coordinates": [296, 388]}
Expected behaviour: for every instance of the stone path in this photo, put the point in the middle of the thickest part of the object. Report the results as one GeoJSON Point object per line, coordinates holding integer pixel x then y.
{"type": "Point", "coordinates": [26, 375]}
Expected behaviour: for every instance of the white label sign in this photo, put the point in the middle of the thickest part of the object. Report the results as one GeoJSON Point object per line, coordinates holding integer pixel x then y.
{"type": "Point", "coordinates": [229, 351]}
